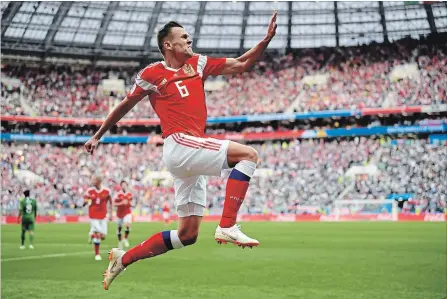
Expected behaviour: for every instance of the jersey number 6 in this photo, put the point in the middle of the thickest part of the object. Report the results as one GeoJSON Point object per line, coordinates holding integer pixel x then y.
{"type": "Point", "coordinates": [182, 89]}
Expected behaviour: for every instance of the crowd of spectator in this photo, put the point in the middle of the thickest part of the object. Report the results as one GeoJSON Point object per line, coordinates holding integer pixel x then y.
{"type": "Point", "coordinates": [359, 78]}
{"type": "Point", "coordinates": [291, 175]}
{"type": "Point", "coordinates": [353, 78]}
{"type": "Point", "coordinates": [414, 168]}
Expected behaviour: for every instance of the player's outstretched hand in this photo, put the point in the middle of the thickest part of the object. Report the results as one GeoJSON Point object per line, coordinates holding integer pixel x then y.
{"type": "Point", "coordinates": [91, 145]}
{"type": "Point", "coordinates": [271, 31]}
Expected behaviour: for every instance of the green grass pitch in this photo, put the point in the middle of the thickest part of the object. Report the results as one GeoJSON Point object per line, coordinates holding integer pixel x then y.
{"type": "Point", "coordinates": [295, 260]}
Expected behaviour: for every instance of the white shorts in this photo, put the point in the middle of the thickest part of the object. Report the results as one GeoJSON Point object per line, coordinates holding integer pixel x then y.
{"type": "Point", "coordinates": [124, 220]}
{"type": "Point", "coordinates": [98, 226]}
{"type": "Point", "coordinates": [190, 159]}
{"type": "Point", "coordinates": [165, 215]}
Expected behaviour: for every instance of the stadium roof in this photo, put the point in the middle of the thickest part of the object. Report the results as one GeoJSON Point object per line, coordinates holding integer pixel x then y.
{"type": "Point", "coordinates": [127, 29]}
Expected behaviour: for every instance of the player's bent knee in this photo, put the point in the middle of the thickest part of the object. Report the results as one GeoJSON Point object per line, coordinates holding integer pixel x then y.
{"type": "Point", "coordinates": [252, 155]}
{"type": "Point", "coordinates": [188, 240]}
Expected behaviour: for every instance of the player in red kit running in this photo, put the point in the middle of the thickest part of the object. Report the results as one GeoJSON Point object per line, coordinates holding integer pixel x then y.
{"type": "Point", "coordinates": [123, 202]}
{"type": "Point", "coordinates": [97, 198]}
{"type": "Point", "coordinates": [166, 212]}
{"type": "Point", "coordinates": [175, 87]}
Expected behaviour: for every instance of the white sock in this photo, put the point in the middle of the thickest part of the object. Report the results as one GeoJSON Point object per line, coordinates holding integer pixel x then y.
{"type": "Point", "coordinates": [246, 167]}
{"type": "Point", "coordinates": [175, 240]}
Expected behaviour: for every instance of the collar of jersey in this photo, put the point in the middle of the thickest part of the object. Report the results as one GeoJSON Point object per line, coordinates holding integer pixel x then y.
{"type": "Point", "coordinates": [168, 68]}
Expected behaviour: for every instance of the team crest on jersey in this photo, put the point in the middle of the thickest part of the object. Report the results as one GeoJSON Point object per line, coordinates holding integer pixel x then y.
{"type": "Point", "coordinates": [187, 69]}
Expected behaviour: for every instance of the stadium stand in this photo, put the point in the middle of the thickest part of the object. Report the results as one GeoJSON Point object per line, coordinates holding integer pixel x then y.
{"type": "Point", "coordinates": [308, 173]}
{"type": "Point", "coordinates": [405, 73]}
{"type": "Point", "coordinates": [344, 59]}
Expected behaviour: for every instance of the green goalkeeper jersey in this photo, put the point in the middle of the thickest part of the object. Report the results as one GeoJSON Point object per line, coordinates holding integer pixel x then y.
{"type": "Point", "coordinates": [28, 207]}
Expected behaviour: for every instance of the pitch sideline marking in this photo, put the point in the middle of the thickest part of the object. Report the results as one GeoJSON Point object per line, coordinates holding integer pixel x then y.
{"type": "Point", "coordinates": [34, 257]}
{"type": "Point", "coordinates": [42, 245]}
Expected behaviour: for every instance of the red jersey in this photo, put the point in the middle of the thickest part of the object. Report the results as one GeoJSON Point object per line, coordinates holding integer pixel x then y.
{"type": "Point", "coordinates": [123, 210]}
{"type": "Point", "coordinates": [166, 208]}
{"type": "Point", "coordinates": [178, 95]}
{"type": "Point", "coordinates": [98, 206]}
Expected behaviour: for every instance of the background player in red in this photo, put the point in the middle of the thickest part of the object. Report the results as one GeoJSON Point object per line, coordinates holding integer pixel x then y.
{"type": "Point", "coordinates": [97, 197]}
{"type": "Point", "coordinates": [123, 202]}
{"type": "Point", "coordinates": [175, 87]}
{"type": "Point", "coordinates": [166, 212]}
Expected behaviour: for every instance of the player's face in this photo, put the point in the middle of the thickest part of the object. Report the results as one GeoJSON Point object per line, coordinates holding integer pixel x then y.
{"type": "Point", "coordinates": [96, 182]}
{"type": "Point", "coordinates": [180, 43]}
{"type": "Point", "coordinates": [124, 187]}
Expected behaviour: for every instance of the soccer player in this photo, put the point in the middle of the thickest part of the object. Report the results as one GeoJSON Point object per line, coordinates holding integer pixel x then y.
{"type": "Point", "coordinates": [166, 212]}
{"type": "Point", "coordinates": [96, 198]}
{"type": "Point", "coordinates": [175, 87]}
{"type": "Point", "coordinates": [123, 202]}
{"type": "Point", "coordinates": [28, 213]}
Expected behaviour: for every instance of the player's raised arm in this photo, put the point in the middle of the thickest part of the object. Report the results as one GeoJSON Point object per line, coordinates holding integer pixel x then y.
{"type": "Point", "coordinates": [117, 113]}
{"type": "Point", "coordinates": [246, 61]}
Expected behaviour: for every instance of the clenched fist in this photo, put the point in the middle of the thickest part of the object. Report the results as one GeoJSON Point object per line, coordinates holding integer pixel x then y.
{"type": "Point", "coordinates": [91, 145]}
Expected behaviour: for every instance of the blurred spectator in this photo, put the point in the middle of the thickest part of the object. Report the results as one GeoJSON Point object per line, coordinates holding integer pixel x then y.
{"type": "Point", "coordinates": [306, 173]}
{"type": "Point", "coordinates": [357, 77]}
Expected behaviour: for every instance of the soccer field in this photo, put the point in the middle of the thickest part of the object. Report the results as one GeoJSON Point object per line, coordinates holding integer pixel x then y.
{"type": "Point", "coordinates": [294, 260]}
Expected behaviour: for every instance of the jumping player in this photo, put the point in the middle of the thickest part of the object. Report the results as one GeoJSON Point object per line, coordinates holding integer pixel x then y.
{"type": "Point", "coordinates": [97, 197]}
{"type": "Point", "coordinates": [175, 87]}
{"type": "Point", "coordinates": [28, 213]}
{"type": "Point", "coordinates": [123, 202]}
